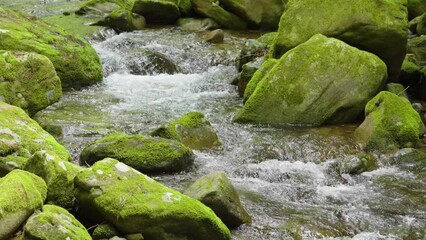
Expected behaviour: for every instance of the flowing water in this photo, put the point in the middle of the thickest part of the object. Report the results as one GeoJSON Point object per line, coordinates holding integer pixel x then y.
{"type": "Point", "coordinates": [290, 180]}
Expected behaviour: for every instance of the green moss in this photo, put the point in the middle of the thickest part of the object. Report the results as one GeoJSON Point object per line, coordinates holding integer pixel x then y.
{"type": "Point", "coordinates": [258, 76]}
{"type": "Point", "coordinates": [11, 162]}
{"type": "Point", "coordinates": [123, 20]}
{"type": "Point", "coordinates": [81, 27]}
{"type": "Point", "coordinates": [21, 193]}
{"type": "Point", "coordinates": [135, 203]}
{"type": "Point", "coordinates": [158, 11]}
{"type": "Point", "coordinates": [268, 38]}
{"type": "Point", "coordinates": [75, 61]}
{"type": "Point", "coordinates": [147, 154]}
{"type": "Point", "coordinates": [54, 223]}
{"type": "Point", "coordinates": [104, 231]}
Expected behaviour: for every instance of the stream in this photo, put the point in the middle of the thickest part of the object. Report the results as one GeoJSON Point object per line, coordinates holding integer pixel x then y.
{"type": "Point", "coordinates": [288, 179]}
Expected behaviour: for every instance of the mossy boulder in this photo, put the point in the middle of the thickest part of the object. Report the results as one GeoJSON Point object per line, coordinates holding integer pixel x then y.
{"type": "Point", "coordinates": [21, 137]}
{"type": "Point", "coordinates": [323, 80]}
{"type": "Point", "coordinates": [157, 11]}
{"type": "Point", "coordinates": [211, 9]}
{"type": "Point", "coordinates": [104, 231]}
{"type": "Point", "coordinates": [215, 36]}
{"type": "Point", "coordinates": [149, 62]}
{"type": "Point", "coordinates": [398, 89]}
{"type": "Point", "coordinates": [417, 47]}
{"type": "Point", "coordinates": [146, 154]}
{"type": "Point", "coordinates": [102, 8]}
{"type": "Point", "coordinates": [216, 191]}
{"type": "Point", "coordinates": [54, 222]}
{"type": "Point", "coordinates": [135, 203]}
{"type": "Point", "coordinates": [379, 27]}
{"type": "Point", "coordinates": [21, 193]}
{"type": "Point", "coordinates": [122, 20]}
{"type": "Point", "coordinates": [28, 80]}
{"type": "Point", "coordinates": [264, 14]}
{"type": "Point", "coordinates": [58, 174]}
{"type": "Point", "coordinates": [76, 62]}
{"type": "Point", "coordinates": [416, 8]}
{"type": "Point", "coordinates": [258, 76]}
{"type": "Point", "coordinates": [197, 25]}
{"type": "Point", "coordinates": [192, 129]}
{"type": "Point", "coordinates": [390, 123]}
{"type": "Point", "coordinates": [268, 38]}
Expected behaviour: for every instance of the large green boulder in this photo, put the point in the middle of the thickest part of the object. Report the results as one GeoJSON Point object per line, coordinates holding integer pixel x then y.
{"type": "Point", "coordinates": [122, 20]}
{"type": "Point", "coordinates": [192, 129]}
{"type": "Point", "coordinates": [21, 137]}
{"type": "Point", "coordinates": [157, 11]}
{"type": "Point", "coordinates": [323, 80]}
{"type": "Point", "coordinates": [58, 174]}
{"type": "Point", "coordinates": [135, 203]}
{"type": "Point", "coordinates": [211, 9]}
{"type": "Point", "coordinates": [416, 8]}
{"type": "Point", "coordinates": [76, 62]}
{"type": "Point", "coordinates": [390, 123]}
{"type": "Point", "coordinates": [28, 80]}
{"type": "Point", "coordinates": [216, 191]}
{"type": "Point", "coordinates": [146, 154]}
{"type": "Point", "coordinates": [52, 223]}
{"type": "Point", "coordinates": [264, 14]}
{"type": "Point", "coordinates": [379, 27]}
{"type": "Point", "coordinates": [21, 193]}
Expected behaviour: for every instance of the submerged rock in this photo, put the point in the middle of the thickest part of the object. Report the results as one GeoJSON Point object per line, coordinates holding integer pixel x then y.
{"type": "Point", "coordinates": [135, 203]}
{"type": "Point", "coordinates": [52, 223]}
{"type": "Point", "coordinates": [216, 191]}
{"type": "Point", "coordinates": [157, 11]}
{"type": "Point", "coordinates": [122, 20]}
{"type": "Point", "coordinates": [58, 174]}
{"type": "Point", "coordinates": [379, 27]}
{"type": "Point", "coordinates": [28, 80]}
{"type": "Point", "coordinates": [146, 154]}
{"type": "Point", "coordinates": [76, 62]}
{"type": "Point", "coordinates": [21, 137]}
{"type": "Point", "coordinates": [323, 80]}
{"type": "Point", "coordinates": [192, 129]}
{"type": "Point", "coordinates": [390, 123]}
{"type": "Point", "coordinates": [21, 193]}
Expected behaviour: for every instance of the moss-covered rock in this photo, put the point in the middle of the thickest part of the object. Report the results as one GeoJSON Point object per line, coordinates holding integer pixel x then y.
{"type": "Point", "coordinates": [104, 231]}
{"type": "Point", "coordinates": [192, 129]}
{"type": "Point", "coordinates": [323, 80]}
{"type": "Point", "coordinates": [146, 154]}
{"type": "Point", "coordinates": [357, 164]}
{"type": "Point", "coordinates": [390, 123]}
{"type": "Point", "coordinates": [157, 11]}
{"type": "Point", "coordinates": [268, 38]}
{"type": "Point", "coordinates": [417, 46]}
{"type": "Point", "coordinates": [52, 223]}
{"type": "Point", "coordinates": [264, 14]}
{"type": "Point", "coordinates": [74, 59]}
{"type": "Point", "coordinates": [216, 191]}
{"type": "Point", "coordinates": [257, 76]}
{"type": "Point", "coordinates": [58, 174]}
{"type": "Point", "coordinates": [397, 89]}
{"type": "Point", "coordinates": [379, 27]}
{"type": "Point", "coordinates": [421, 25]}
{"type": "Point", "coordinates": [148, 62]}
{"type": "Point", "coordinates": [251, 50]}
{"type": "Point", "coordinates": [249, 69]}
{"type": "Point", "coordinates": [211, 9]}
{"type": "Point", "coordinates": [101, 8]}
{"type": "Point", "coordinates": [416, 8]}
{"type": "Point", "coordinates": [28, 80]}
{"type": "Point", "coordinates": [21, 137]}
{"type": "Point", "coordinates": [21, 193]}
{"type": "Point", "coordinates": [135, 203]}
{"type": "Point", "coordinates": [215, 36]}
{"type": "Point", "coordinates": [122, 20]}
{"type": "Point", "coordinates": [197, 25]}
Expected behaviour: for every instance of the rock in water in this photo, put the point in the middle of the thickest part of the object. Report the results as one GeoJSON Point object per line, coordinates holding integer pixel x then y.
{"type": "Point", "coordinates": [215, 36]}
{"type": "Point", "coordinates": [390, 123]}
{"type": "Point", "coordinates": [28, 80]}
{"type": "Point", "coordinates": [157, 11]}
{"type": "Point", "coordinates": [20, 194]}
{"type": "Point", "coordinates": [135, 203]}
{"type": "Point", "coordinates": [76, 62]}
{"type": "Point", "coordinates": [379, 27]}
{"type": "Point", "coordinates": [54, 222]}
{"type": "Point", "coordinates": [323, 80]}
{"type": "Point", "coordinates": [122, 20]}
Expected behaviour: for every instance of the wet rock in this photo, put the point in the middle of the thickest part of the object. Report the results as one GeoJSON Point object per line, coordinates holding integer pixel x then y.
{"type": "Point", "coordinates": [28, 80]}
{"type": "Point", "coordinates": [379, 27]}
{"type": "Point", "coordinates": [416, 8]}
{"type": "Point", "coordinates": [192, 129]}
{"type": "Point", "coordinates": [215, 36]}
{"type": "Point", "coordinates": [257, 76]}
{"type": "Point", "coordinates": [21, 137]}
{"type": "Point", "coordinates": [216, 191]}
{"type": "Point", "coordinates": [197, 25]}
{"type": "Point", "coordinates": [100, 8]}
{"type": "Point", "coordinates": [146, 154]}
{"type": "Point", "coordinates": [213, 10]}
{"type": "Point", "coordinates": [104, 231]}
{"type": "Point", "coordinates": [264, 14]}
{"type": "Point", "coordinates": [157, 11]}
{"type": "Point", "coordinates": [122, 20]}
{"type": "Point", "coordinates": [357, 164]}
{"type": "Point", "coordinates": [76, 62]}
{"type": "Point", "coordinates": [111, 188]}
{"type": "Point", "coordinates": [21, 193]}
{"type": "Point", "coordinates": [251, 50]}
{"type": "Point", "coordinates": [417, 46]}
{"type": "Point", "coordinates": [58, 174]}
{"type": "Point", "coordinates": [313, 90]}
{"type": "Point", "coordinates": [390, 123]}
{"type": "Point", "coordinates": [249, 69]}
{"type": "Point", "coordinates": [268, 38]}
{"type": "Point", "coordinates": [54, 222]}
{"type": "Point", "coordinates": [412, 160]}
{"type": "Point", "coordinates": [146, 62]}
